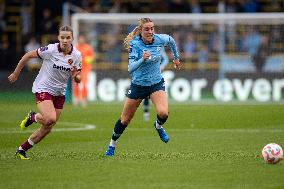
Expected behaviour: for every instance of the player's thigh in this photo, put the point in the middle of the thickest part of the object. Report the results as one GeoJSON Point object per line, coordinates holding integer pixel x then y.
{"type": "Point", "coordinates": [160, 101]}
{"type": "Point", "coordinates": [129, 108]}
{"type": "Point", "coordinates": [47, 110]}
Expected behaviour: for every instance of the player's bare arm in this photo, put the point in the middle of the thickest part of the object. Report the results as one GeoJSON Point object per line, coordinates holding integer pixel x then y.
{"type": "Point", "coordinates": [14, 76]}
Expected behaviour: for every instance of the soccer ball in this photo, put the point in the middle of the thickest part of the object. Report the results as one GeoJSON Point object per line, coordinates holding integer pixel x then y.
{"type": "Point", "coordinates": [272, 153]}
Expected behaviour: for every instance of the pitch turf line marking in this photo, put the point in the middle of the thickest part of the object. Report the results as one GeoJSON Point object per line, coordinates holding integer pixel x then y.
{"type": "Point", "coordinates": [83, 127]}
{"type": "Point", "coordinates": [79, 127]}
{"type": "Point", "coordinates": [215, 130]}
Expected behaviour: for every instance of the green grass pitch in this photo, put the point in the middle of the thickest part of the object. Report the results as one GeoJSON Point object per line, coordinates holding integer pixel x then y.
{"type": "Point", "coordinates": [211, 146]}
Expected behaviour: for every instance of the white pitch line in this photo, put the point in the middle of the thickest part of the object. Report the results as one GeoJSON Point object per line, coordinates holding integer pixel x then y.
{"type": "Point", "coordinates": [251, 130]}
{"type": "Point", "coordinates": [84, 127]}
{"type": "Point", "coordinates": [80, 127]}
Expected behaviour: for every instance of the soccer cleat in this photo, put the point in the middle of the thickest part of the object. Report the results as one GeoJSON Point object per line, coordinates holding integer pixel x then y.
{"type": "Point", "coordinates": [162, 133]}
{"type": "Point", "coordinates": [21, 154]}
{"type": "Point", "coordinates": [110, 151]}
{"type": "Point", "coordinates": [27, 121]}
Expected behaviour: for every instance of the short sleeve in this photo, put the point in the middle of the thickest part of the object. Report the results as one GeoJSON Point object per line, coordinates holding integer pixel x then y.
{"type": "Point", "coordinates": [165, 38]}
{"type": "Point", "coordinates": [45, 51]}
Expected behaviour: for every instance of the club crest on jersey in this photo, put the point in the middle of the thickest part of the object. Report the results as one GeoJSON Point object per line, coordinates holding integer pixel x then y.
{"type": "Point", "coordinates": [70, 61]}
{"type": "Point", "coordinates": [158, 48]}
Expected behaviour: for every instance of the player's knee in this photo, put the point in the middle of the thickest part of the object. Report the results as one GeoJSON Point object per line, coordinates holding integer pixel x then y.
{"type": "Point", "coordinates": [49, 121]}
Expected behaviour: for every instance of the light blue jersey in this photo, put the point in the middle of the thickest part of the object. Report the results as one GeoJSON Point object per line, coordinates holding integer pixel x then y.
{"type": "Point", "coordinates": [147, 73]}
{"type": "Point", "coordinates": [165, 60]}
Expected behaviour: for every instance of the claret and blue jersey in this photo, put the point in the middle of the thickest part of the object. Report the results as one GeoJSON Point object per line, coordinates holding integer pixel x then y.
{"type": "Point", "coordinates": [147, 73]}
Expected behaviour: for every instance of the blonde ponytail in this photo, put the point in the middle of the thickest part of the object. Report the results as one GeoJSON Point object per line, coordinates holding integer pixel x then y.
{"type": "Point", "coordinates": [130, 36]}
{"type": "Point", "coordinates": [135, 32]}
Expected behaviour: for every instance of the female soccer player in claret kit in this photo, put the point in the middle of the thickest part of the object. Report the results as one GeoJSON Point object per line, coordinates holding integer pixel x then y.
{"type": "Point", "coordinates": [60, 62]}
{"type": "Point", "coordinates": [145, 48]}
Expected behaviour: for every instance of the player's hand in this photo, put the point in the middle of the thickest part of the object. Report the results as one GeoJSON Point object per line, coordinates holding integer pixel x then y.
{"type": "Point", "coordinates": [13, 77]}
{"type": "Point", "coordinates": [146, 55]}
{"type": "Point", "coordinates": [177, 64]}
{"type": "Point", "coordinates": [77, 78]}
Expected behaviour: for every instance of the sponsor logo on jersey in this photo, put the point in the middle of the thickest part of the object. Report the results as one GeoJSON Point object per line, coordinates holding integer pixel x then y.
{"type": "Point", "coordinates": [61, 68]}
{"type": "Point", "coordinates": [43, 48]}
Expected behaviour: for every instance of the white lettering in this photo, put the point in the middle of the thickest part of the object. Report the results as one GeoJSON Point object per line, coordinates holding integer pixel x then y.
{"type": "Point", "coordinates": [180, 89]}
{"type": "Point", "coordinates": [106, 90]}
{"type": "Point", "coordinates": [91, 86]}
{"type": "Point", "coordinates": [278, 85]}
{"type": "Point", "coordinates": [168, 77]}
{"type": "Point", "coordinates": [197, 86]}
{"type": "Point", "coordinates": [261, 90]}
{"type": "Point", "coordinates": [223, 90]}
{"type": "Point", "coordinates": [122, 86]}
{"type": "Point", "coordinates": [242, 91]}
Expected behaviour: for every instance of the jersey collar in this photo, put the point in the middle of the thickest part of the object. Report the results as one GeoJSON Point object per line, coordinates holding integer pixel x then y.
{"type": "Point", "coordinates": [60, 50]}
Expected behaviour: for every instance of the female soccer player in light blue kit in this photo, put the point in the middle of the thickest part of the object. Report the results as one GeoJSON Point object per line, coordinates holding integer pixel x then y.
{"type": "Point", "coordinates": [145, 48]}
{"type": "Point", "coordinates": [146, 102]}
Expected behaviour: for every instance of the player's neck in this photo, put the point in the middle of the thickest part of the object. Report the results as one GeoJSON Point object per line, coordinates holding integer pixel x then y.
{"type": "Point", "coordinates": [67, 50]}
{"type": "Point", "coordinates": [147, 41]}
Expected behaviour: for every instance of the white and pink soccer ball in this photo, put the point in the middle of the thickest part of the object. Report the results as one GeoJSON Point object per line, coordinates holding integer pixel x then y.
{"type": "Point", "coordinates": [272, 153]}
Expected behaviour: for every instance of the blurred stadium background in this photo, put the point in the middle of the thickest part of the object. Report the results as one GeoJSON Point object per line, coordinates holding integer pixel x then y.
{"type": "Point", "coordinates": [231, 50]}
{"type": "Point", "coordinates": [226, 103]}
